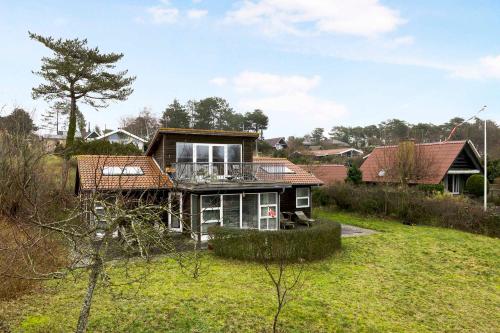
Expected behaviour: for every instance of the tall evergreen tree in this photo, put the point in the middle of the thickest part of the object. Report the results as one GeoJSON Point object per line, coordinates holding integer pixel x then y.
{"type": "Point", "coordinates": [175, 115]}
{"type": "Point", "coordinates": [79, 73]}
{"type": "Point", "coordinates": [256, 120]}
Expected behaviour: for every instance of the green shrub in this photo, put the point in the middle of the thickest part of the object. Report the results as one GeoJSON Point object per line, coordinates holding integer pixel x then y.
{"type": "Point", "coordinates": [475, 185]}
{"type": "Point", "coordinates": [354, 175]}
{"type": "Point", "coordinates": [431, 188]}
{"type": "Point", "coordinates": [413, 207]}
{"type": "Point", "coordinates": [317, 242]}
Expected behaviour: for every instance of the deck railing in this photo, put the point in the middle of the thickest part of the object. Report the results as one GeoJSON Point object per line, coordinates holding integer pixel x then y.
{"type": "Point", "coordinates": [218, 172]}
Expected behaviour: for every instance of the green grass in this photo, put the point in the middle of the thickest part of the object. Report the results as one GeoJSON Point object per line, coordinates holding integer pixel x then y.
{"type": "Point", "coordinates": [403, 279]}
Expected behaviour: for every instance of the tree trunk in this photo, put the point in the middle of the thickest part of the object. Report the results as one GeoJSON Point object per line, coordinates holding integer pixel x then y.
{"type": "Point", "coordinates": [70, 138]}
{"type": "Point", "coordinates": [87, 301]}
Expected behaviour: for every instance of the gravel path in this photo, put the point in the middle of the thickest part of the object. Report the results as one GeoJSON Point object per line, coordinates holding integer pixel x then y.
{"type": "Point", "coordinates": [352, 231]}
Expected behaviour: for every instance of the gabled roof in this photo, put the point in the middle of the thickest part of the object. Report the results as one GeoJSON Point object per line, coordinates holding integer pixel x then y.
{"type": "Point", "coordinates": [329, 152]}
{"type": "Point", "coordinates": [299, 175]}
{"type": "Point", "coordinates": [339, 143]}
{"type": "Point", "coordinates": [123, 132]}
{"type": "Point", "coordinates": [274, 141]}
{"type": "Point", "coordinates": [90, 173]}
{"type": "Point", "coordinates": [436, 158]}
{"type": "Point", "coordinates": [93, 134]}
{"type": "Point", "coordinates": [328, 173]}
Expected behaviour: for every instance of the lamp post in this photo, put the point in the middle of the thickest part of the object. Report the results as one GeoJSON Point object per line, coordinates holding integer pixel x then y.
{"type": "Point", "coordinates": [485, 194]}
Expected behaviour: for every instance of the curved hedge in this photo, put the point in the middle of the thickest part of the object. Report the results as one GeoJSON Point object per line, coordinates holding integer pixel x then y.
{"type": "Point", "coordinates": [317, 242]}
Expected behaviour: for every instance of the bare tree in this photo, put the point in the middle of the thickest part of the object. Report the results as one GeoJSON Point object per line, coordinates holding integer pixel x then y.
{"type": "Point", "coordinates": [103, 225]}
{"type": "Point", "coordinates": [285, 275]}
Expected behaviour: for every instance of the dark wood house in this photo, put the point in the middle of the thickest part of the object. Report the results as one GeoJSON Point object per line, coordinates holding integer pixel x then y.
{"type": "Point", "coordinates": [449, 163]}
{"type": "Point", "coordinates": [211, 177]}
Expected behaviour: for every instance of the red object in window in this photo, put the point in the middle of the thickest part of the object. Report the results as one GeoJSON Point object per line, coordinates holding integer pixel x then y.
{"type": "Point", "coordinates": [272, 213]}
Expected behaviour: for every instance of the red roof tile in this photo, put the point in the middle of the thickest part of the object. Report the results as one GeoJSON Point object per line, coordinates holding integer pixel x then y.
{"type": "Point", "coordinates": [328, 173]}
{"type": "Point", "coordinates": [299, 175]}
{"type": "Point", "coordinates": [436, 158]}
{"type": "Point", "coordinates": [91, 176]}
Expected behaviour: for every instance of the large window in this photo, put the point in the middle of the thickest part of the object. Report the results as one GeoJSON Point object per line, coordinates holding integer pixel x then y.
{"type": "Point", "coordinates": [268, 211]}
{"type": "Point", "coordinates": [184, 152]}
{"type": "Point", "coordinates": [175, 211]}
{"type": "Point", "coordinates": [250, 211]}
{"type": "Point", "coordinates": [210, 211]}
{"type": "Point", "coordinates": [302, 197]}
{"type": "Point", "coordinates": [231, 214]}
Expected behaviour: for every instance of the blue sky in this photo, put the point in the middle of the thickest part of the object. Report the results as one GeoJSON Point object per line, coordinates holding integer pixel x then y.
{"type": "Point", "coordinates": [306, 63]}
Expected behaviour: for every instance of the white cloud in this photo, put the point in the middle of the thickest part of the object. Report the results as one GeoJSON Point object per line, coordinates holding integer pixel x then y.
{"type": "Point", "coordinates": [365, 18]}
{"type": "Point", "coordinates": [285, 97]}
{"type": "Point", "coordinates": [403, 41]}
{"type": "Point", "coordinates": [196, 13]}
{"type": "Point", "coordinates": [219, 81]}
{"type": "Point", "coordinates": [163, 14]}
{"type": "Point", "coordinates": [274, 84]}
{"type": "Point", "coordinates": [487, 67]}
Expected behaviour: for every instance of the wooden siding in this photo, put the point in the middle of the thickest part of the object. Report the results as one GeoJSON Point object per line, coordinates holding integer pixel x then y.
{"type": "Point", "coordinates": [464, 161]}
{"type": "Point", "coordinates": [164, 151]}
{"type": "Point", "coordinates": [288, 202]}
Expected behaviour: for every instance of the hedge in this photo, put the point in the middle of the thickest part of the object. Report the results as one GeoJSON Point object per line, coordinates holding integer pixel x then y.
{"type": "Point", "coordinates": [314, 243]}
{"type": "Point", "coordinates": [411, 206]}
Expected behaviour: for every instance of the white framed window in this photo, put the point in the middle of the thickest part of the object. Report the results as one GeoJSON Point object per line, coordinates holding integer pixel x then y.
{"type": "Point", "coordinates": [211, 211]}
{"type": "Point", "coordinates": [122, 171]}
{"type": "Point", "coordinates": [302, 197]}
{"type": "Point", "coordinates": [268, 211]}
{"type": "Point", "coordinates": [175, 211]}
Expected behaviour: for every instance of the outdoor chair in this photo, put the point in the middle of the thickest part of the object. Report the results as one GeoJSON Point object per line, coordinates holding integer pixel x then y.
{"type": "Point", "coordinates": [303, 219]}
{"type": "Point", "coordinates": [286, 222]}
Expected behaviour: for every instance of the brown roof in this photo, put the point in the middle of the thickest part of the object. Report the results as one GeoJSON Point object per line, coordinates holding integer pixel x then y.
{"type": "Point", "coordinates": [299, 175]}
{"type": "Point", "coordinates": [328, 173]}
{"type": "Point", "coordinates": [328, 152]}
{"type": "Point", "coordinates": [436, 158]}
{"type": "Point", "coordinates": [91, 177]}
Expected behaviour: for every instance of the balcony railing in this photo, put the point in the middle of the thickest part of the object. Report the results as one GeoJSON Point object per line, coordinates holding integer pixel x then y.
{"type": "Point", "coordinates": [228, 172]}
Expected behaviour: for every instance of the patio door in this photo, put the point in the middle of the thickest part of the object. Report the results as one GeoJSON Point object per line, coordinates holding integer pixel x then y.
{"type": "Point", "coordinates": [210, 159]}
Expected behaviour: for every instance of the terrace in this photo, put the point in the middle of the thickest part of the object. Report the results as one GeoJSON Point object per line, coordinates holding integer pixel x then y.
{"type": "Point", "coordinates": [229, 172]}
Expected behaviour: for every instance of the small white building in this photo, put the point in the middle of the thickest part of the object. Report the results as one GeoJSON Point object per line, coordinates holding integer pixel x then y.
{"type": "Point", "coordinates": [123, 137]}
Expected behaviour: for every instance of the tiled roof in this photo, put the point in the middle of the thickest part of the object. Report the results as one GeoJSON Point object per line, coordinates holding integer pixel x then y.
{"type": "Point", "coordinates": [299, 175]}
{"type": "Point", "coordinates": [328, 173]}
{"type": "Point", "coordinates": [328, 152]}
{"type": "Point", "coordinates": [91, 176]}
{"type": "Point", "coordinates": [436, 158]}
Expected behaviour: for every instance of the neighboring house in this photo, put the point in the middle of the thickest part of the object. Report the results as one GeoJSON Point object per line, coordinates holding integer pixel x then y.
{"type": "Point", "coordinates": [92, 136]}
{"type": "Point", "coordinates": [342, 152]}
{"type": "Point", "coordinates": [51, 141]}
{"type": "Point", "coordinates": [211, 175]}
{"type": "Point", "coordinates": [123, 137]}
{"type": "Point", "coordinates": [449, 163]}
{"type": "Point", "coordinates": [328, 173]}
{"type": "Point", "coordinates": [277, 143]}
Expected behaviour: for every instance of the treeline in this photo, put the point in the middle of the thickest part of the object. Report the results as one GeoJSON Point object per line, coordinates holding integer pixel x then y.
{"type": "Point", "coordinates": [393, 130]}
{"type": "Point", "coordinates": [207, 113]}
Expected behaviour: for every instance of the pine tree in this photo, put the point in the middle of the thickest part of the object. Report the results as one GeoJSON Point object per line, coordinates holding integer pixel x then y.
{"type": "Point", "coordinates": [78, 73]}
{"type": "Point", "coordinates": [175, 115]}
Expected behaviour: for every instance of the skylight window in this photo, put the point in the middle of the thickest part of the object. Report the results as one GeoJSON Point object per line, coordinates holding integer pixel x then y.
{"type": "Point", "coordinates": [276, 169]}
{"type": "Point", "coordinates": [122, 171]}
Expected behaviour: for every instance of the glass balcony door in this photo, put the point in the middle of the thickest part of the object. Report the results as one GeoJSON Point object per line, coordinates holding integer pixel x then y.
{"type": "Point", "coordinates": [210, 160]}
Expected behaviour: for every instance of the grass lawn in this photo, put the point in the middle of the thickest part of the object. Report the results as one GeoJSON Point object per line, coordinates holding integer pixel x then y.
{"type": "Point", "coordinates": [403, 279]}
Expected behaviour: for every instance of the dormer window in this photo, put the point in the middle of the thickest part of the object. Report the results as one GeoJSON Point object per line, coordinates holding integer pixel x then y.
{"type": "Point", "coordinates": [122, 171]}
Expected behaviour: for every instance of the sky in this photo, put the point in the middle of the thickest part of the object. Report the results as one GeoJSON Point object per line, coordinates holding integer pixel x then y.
{"type": "Point", "coordinates": [306, 63]}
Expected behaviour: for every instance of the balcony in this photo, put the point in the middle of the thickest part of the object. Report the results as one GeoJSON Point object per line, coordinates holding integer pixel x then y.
{"type": "Point", "coordinates": [221, 172]}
